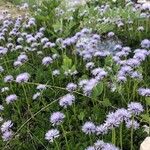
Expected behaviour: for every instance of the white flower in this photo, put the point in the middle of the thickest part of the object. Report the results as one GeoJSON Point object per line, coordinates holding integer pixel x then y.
{"type": "Point", "coordinates": [1, 107]}
{"type": "Point", "coordinates": [4, 89]}
{"type": "Point", "coordinates": [47, 60]}
{"type": "Point", "coordinates": [57, 118]}
{"type": "Point", "coordinates": [11, 98]}
{"type": "Point", "coordinates": [7, 135]}
{"type": "Point", "coordinates": [8, 78]}
{"type": "Point", "coordinates": [36, 95]}
{"type": "Point", "coordinates": [23, 77]}
{"type": "Point", "coordinates": [41, 87]}
{"type": "Point", "coordinates": [51, 135]}
{"type": "Point", "coordinates": [6, 125]}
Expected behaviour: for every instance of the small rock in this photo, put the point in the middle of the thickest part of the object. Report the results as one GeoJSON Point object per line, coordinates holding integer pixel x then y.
{"type": "Point", "coordinates": [145, 144]}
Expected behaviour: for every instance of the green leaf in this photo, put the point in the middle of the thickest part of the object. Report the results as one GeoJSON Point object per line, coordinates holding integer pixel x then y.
{"type": "Point", "coordinates": [67, 63]}
{"type": "Point", "coordinates": [81, 116]}
{"type": "Point", "coordinates": [108, 61]}
{"type": "Point", "coordinates": [57, 26]}
{"type": "Point", "coordinates": [106, 102]}
{"type": "Point", "coordinates": [83, 77]}
{"type": "Point", "coordinates": [145, 118]}
{"type": "Point", "coordinates": [73, 68]}
{"type": "Point", "coordinates": [148, 101]}
{"type": "Point", "coordinates": [97, 90]}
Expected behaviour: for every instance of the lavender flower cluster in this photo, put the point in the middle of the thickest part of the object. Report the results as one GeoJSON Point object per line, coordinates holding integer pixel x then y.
{"type": "Point", "coordinates": [6, 130]}
{"type": "Point", "coordinates": [101, 145]}
{"type": "Point", "coordinates": [26, 42]}
{"type": "Point", "coordinates": [114, 119]}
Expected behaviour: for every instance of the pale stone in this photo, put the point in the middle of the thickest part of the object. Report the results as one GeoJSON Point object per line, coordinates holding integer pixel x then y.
{"type": "Point", "coordinates": [145, 144]}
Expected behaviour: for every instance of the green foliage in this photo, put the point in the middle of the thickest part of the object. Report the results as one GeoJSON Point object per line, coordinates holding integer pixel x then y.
{"type": "Point", "coordinates": [97, 90]}
{"type": "Point", "coordinates": [67, 63]}
{"type": "Point", "coordinates": [30, 2]}
{"type": "Point", "coordinates": [31, 116]}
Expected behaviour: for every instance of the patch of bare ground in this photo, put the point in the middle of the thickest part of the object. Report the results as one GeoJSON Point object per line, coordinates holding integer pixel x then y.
{"type": "Point", "coordinates": [8, 10]}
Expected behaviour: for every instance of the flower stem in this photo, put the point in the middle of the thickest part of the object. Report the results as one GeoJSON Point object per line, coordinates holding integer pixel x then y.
{"type": "Point", "coordinates": [113, 136]}
{"type": "Point", "coordinates": [57, 145]}
{"type": "Point", "coordinates": [27, 100]}
{"type": "Point", "coordinates": [64, 133]}
{"type": "Point", "coordinates": [132, 134]}
{"type": "Point", "coordinates": [121, 136]}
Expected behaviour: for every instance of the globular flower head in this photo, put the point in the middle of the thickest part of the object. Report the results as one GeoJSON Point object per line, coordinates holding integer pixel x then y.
{"type": "Point", "coordinates": [145, 43]}
{"type": "Point", "coordinates": [57, 118]}
{"type": "Point", "coordinates": [126, 49]}
{"type": "Point", "coordinates": [36, 95]}
{"type": "Point", "coordinates": [89, 65]}
{"type": "Point", "coordinates": [112, 120]}
{"type": "Point", "coordinates": [51, 135]}
{"type": "Point", "coordinates": [8, 78]}
{"type": "Point", "coordinates": [88, 87]}
{"type": "Point", "coordinates": [4, 89]}
{"type": "Point", "coordinates": [19, 47]}
{"type": "Point", "coordinates": [17, 64]}
{"type": "Point", "coordinates": [23, 77]}
{"type": "Point", "coordinates": [47, 60]}
{"type": "Point", "coordinates": [1, 119]}
{"type": "Point", "coordinates": [144, 92]}
{"type": "Point", "coordinates": [132, 124]}
{"type": "Point", "coordinates": [108, 146]}
{"type": "Point", "coordinates": [1, 69]}
{"type": "Point", "coordinates": [6, 126]}
{"type": "Point", "coordinates": [126, 69]}
{"type": "Point", "coordinates": [44, 40]}
{"type": "Point", "coordinates": [101, 129]}
{"type": "Point", "coordinates": [67, 100]}
{"type": "Point", "coordinates": [133, 62]}
{"type": "Point", "coordinates": [71, 87]}
{"type": "Point", "coordinates": [135, 108]}
{"type": "Point", "coordinates": [136, 75]}
{"type": "Point", "coordinates": [11, 98]}
{"type": "Point", "coordinates": [96, 37]}
{"type": "Point", "coordinates": [139, 56]}
{"type": "Point", "coordinates": [56, 72]}
{"type": "Point", "coordinates": [22, 58]}
{"type": "Point", "coordinates": [101, 145]}
{"type": "Point", "coordinates": [140, 28]}
{"type": "Point", "coordinates": [121, 54]}
{"type": "Point", "coordinates": [110, 34]}
{"type": "Point", "coordinates": [1, 108]}
{"type": "Point", "coordinates": [82, 83]}
{"type": "Point", "coordinates": [55, 56]}
{"type": "Point", "coordinates": [7, 135]}
{"type": "Point", "coordinates": [99, 73]}
{"type": "Point", "coordinates": [122, 114]}
{"type": "Point", "coordinates": [88, 128]}
{"type": "Point", "coordinates": [41, 87]}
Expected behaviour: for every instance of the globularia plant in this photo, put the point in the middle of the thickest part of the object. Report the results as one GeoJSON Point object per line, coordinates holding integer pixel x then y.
{"type": "Point", "coordinates": [67, 84]}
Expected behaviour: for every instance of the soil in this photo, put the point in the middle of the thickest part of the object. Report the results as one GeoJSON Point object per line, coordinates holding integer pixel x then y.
{"type": "Point", "coordinates": [9, 10]}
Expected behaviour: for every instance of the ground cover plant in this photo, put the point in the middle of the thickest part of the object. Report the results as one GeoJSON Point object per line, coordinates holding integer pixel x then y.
{"type": "Point", "coordinates": [75, 78]}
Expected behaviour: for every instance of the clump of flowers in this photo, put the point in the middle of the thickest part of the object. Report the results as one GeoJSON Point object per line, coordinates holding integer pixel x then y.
{"type": "Point", "coordinates": [23, 77]}
{"type": "Point", "coordinates": [88, 128]}
{"type": "Point", "coordinates": [11, 98]}
{"type": "Point", "coordinates": [67, 100]}
{"type": "Point", "coordinates": [6, 130]}
{"type": "Point", "coordinates": [57, 118]}
{"type": "Point", "coordinates": [51, 135]}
